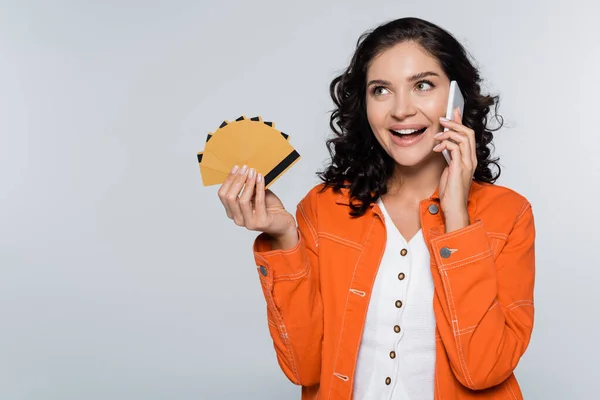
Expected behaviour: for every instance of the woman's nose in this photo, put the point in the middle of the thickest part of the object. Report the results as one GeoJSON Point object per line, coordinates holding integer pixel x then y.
{"type": "Point", "coordinates": [403, 106]}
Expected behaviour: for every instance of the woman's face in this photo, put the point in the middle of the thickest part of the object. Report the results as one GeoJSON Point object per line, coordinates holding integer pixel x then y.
{"type": "Point", "coordinates": [407, 91]}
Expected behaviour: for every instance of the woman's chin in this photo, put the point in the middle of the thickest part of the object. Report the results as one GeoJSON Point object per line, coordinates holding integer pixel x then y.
{"type": "Point", "coordinates": [414, 158]}
{"type": "Point", "coordinates": [410, 158]}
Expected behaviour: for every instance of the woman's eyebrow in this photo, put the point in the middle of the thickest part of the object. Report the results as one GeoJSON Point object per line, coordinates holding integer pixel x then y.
{"type": "Point", "coordinates": [413, 78]}
{"type": "Point", "coordinates": [422, 75]}
{"type": "Point", "coordinates": [379, 82]}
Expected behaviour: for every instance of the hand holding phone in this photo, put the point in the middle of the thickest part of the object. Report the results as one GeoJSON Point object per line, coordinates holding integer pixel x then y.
{"type": "Point", "coordinates": [455, 99]}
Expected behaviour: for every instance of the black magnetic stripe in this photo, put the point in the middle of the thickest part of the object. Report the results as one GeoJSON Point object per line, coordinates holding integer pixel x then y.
{"type": "Point", "coordinates": [199, 157]}
{"type": "Point", "coordinates": [255, 119]}
{"type": "Point", "coordinates": [269, 123]}
{"type": "Point", "coordinates": [208, 137]}
{"type": "Point", "coordinates": [285, 163]}
{"type": "Point", "coordinates": [240, 118]}
{"type": "Point", "coordinates": [223, 124]}
{"type": "Point", "coordinates": [285, 135]}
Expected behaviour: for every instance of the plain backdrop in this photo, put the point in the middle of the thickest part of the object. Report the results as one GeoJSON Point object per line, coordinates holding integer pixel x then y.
{"type": "Point", "coordinates": [120, 275]}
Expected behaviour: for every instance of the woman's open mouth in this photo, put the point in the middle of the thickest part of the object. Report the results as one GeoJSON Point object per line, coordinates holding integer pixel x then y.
{"type": "Point", "coordinates": [407, 137]}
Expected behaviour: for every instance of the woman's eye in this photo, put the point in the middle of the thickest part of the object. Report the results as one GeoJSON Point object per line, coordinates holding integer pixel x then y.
{"type": "Point", "coordinates": [424, 86]}
{"type": "Point", "coordinates": [377, 91]}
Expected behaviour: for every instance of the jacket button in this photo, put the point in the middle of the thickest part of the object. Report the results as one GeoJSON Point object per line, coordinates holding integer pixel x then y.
{"type": "Point", "coordinates": [392, 354]}
{"type": "Point", "coordinates": [401, 276]}
{"type": "Point", "coordinates": [403, 252]}
{"type": "Point", "coordinates": [398, 304]}
{"type": "Point", "coordinates": [433, 209]}
{"type": "Point", "coordinates": [397, 328]}
{"type": "Point", "coordinates": [388, 380]}
{"type": "Point", "coordinates": [263, 271]}
{"type": "Point", "coordinates": [445, 252]}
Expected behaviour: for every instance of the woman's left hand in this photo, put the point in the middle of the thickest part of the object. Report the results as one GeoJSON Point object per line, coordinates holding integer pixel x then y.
{"type": "Point", "coordinates": [457, 177]}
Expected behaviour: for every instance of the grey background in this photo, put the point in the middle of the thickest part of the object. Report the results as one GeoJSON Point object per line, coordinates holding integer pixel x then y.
{"type": "Point", "coordinates": [120, 275]}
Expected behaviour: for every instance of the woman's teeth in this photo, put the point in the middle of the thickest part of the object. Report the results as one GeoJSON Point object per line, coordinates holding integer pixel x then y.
{"type": "Point", "coordinates": [407, 131]}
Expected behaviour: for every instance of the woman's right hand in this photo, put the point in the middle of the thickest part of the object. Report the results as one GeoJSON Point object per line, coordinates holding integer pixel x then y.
{"type": "Point", "coordinates": [256, 209]}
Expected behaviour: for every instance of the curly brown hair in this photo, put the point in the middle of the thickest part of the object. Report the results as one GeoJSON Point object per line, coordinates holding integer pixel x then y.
{"type": "Point", "coordinates": [358, 162]}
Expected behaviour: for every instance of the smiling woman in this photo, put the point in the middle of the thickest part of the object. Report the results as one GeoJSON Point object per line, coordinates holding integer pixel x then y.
{"type": "Point", "coordinates": [399, 79]}
{"type": "Point", "coordinates": [406, 276]}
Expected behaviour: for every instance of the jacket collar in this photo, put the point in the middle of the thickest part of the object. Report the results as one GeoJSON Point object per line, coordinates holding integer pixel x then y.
{"type": "Point", "coordinates": [343, 198]}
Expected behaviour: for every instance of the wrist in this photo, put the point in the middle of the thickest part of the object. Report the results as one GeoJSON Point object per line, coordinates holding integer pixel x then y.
{"type": "Point", "coordinates": [457, 221]}
{"type": "Point", "coordinates": [284, 240]}
{"type": "Point", "coordinates": [286, 237]}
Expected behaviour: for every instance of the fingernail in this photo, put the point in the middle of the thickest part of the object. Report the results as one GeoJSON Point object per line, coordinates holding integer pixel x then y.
{"type": "Point", "coordinates": [437, 147]}
{"type": "Point", "coordinates": [444, 119]}
{"type": "Point", "coordinates": [251, 173]}
{"type": "Point", "coordinates": [438, 134]}
{"type": "Point", "coordinates": [243, 170]}
{"type": "Point", "coordinates": [234, 169]}
{"type": "Point", "coordinates": [259, 178]}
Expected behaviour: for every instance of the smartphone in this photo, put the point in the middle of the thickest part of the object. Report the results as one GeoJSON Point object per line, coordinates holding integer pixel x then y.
{"type": "Point", "coordinates": [455, 99]}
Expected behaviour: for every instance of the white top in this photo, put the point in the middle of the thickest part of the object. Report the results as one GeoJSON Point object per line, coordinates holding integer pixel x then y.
{"type": "Point", "coordinates": [411, 367]}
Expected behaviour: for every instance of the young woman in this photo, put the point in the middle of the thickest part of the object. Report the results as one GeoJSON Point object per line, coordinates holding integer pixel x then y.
{"type": "Point", "coordinates": [402, 276]}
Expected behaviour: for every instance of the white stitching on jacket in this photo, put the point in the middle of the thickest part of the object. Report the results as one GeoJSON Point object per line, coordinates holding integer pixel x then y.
{"type": "Point", "coordinates": [342, 377]}
{"type": "Point", "coordinates": [340, 240]}
{"type": "Point", "coordinates": [311, 228]}
{"type": "Point", "coordinates": [346, 306]}
{"type": "Point", "coordinates": [455, 325]}
{"type": "Point", "coordinates": [466, 260]}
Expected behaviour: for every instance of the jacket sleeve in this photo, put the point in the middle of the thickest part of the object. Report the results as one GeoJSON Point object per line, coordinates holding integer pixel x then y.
{"type": "Point", "coordinates": [487, 301]}
{"type": "Point", "coordinates": [290, 284]}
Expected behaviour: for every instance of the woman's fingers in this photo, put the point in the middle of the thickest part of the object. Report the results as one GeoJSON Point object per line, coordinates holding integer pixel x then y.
{"type": "Point", "coordinates": [232, 196]}
{"type": "Point", "coordinates": [247, 208]}
{"type": "Point", "coordinates": [245, 200]}
{"type": "Point", "coordinates": [260, 207]}
{"type": "Point", "coordinates": [463, 142]}
{"type": "Point", "coordinates": [225, 188]}
{"type": "Point", "coordinates": [457, 115]}
{"type": "Point", "coordinates": [453, 148]}
{"type": "Point", "coordinates": [459, 127]}
{"type": "Point", "coordinates": [470, 134]}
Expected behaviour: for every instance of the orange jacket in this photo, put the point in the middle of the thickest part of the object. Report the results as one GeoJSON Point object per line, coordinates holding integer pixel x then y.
{"type": "Point", "coordinates": [317, 293]}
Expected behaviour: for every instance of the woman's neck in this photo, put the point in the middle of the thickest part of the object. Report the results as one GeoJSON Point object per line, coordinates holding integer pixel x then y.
{"type": "Point", "coordinates": [410, 185]}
